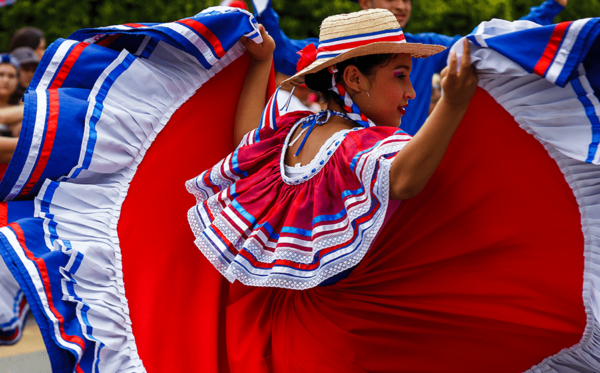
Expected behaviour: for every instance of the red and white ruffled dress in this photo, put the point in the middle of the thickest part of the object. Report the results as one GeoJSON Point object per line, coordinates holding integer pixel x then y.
{"type": "Point", "coordinates": [264, 223]}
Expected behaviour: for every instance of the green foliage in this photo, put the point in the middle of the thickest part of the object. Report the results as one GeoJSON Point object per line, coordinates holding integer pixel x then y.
{"type": "Point", "coordinates": [299, 18]}
{"type": "Point", "coordinates": [451, 17]}
{"type": "Point", "coordinates": [60, 18]}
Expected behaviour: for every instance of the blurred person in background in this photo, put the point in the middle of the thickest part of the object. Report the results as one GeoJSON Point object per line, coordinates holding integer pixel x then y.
{"type": "Point", "coordinates": [31, 37]}
{"type": "Point", "coordinates": [11, 113]}
{"type": "Point", "coordinates": [28, 62]}
{"type": "Point", "coordinates": [9, 80]}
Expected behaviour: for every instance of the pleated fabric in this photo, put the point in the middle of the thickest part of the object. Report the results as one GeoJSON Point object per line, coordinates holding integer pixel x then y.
{"type": "Point", "coordinates": [85, 131]}
{"type": "Point", "coordinates": [491, 268]}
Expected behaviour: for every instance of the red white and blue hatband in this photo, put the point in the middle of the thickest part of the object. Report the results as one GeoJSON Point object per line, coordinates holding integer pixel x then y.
{"type": "Point", "coordinates": [370, 31]}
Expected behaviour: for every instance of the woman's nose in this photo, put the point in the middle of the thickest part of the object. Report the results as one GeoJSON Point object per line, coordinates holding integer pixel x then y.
{"type": "Point", "coordinates": [410, 93]}
{"type": "Point", "coordinates": [400, 4]}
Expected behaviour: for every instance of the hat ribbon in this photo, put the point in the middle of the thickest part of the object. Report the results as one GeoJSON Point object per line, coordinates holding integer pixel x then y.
{"type": "Point", "coordinates": [308, 55]}
{"type": "Point", "coordinates": [334, 47]}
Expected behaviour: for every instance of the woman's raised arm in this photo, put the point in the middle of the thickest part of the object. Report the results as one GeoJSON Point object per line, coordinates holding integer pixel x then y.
{"type": "Point", "coordinates": [252, 100]}
{"type": "Point", "coordinates": [416, 162]}
{"type": "Point", "coordinates": [11, 115]}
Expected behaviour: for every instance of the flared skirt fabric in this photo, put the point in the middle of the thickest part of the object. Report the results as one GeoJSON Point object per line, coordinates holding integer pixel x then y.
{"type": "Point", "coordinates": [491, 268]}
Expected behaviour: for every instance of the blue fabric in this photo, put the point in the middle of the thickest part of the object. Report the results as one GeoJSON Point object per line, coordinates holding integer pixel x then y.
{"type": "Point", "coordinates": [74, 134]}
{"type": "Point", "coordinates": [61, 359]}
{"type": "Point", "coordinates": [16, 210]}
{"type": "Point", "coordinates": [286, 57]}
{"type": "Point", "coordinates": [592, 67]}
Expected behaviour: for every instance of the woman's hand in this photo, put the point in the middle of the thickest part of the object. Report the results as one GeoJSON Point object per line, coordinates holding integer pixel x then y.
{"type": "Point", "coordinates": [262, 51]}
{"type": "Point", "coordinates": [459, 87]}
{"type": "Point", "coordinates": [413, 166]}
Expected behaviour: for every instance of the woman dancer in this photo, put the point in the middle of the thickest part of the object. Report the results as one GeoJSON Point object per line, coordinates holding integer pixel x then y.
{"type": "Point", "coordinates": [301, 201]}
{"type": "Point", "coordinates": [461, 275]}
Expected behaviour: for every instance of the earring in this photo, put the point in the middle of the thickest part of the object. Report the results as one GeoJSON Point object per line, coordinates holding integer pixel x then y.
{"type": "Point", "coordinates": [368, 106]}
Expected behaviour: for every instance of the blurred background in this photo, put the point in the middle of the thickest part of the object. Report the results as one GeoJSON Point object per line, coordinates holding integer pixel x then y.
{"type": "Point", "coordinates": [299, 18]}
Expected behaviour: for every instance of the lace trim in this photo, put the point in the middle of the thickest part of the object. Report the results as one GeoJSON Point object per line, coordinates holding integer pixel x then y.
{"type": "Point", "coordinates": [316, 164]}
{"type": "Point", "coordinates": [233, 270]}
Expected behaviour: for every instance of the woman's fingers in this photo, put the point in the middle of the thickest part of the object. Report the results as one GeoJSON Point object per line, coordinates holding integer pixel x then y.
{"type": "Point", "coordinates": [465, 63]}
{"type": "Point", "coordinates": [452, 65]}
{"type": "Point", "coordinates": [245, 41]}
{"type": "Point", "coordinates": [444, 72]}
{"type": "Point", "coordinates": [262, 51]}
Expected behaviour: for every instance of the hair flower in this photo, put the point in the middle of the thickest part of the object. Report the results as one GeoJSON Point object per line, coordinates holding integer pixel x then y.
{"type": "Point", "coordinates": [308, 55]}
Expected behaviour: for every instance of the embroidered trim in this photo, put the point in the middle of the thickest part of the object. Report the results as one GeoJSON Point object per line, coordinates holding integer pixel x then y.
{"type": "Point", "coordinates": [301, 178]}
{"type": "Point", "coordinates": [234, 266]}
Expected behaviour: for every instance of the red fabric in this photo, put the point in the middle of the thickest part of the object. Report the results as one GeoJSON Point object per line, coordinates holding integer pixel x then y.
{"type": "Point", "coordinates": [482, 271]}
{"type": "Point", "coordinates": [173, 291]}
{"type": "Point", "coordinates": [53, 108]}
{"type": "Point", "coordinates": [261, 192]}
{"type": "Point", "coordinates": [3, 214]}
{"type": "Point", "coordinates": [551, 49]}
{"type": "Point", "coordinates": [206, 33]}
{"type": "Point", "coordinates": [3, 167]}
{"type": "Point", "coordinates": [238, 4]}
{"type": "Point", "coordinates": [308, 55]}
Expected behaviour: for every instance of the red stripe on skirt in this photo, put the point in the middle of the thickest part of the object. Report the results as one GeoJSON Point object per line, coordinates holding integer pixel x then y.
{"type": "Point", "coordinates": [551, 49]}
{"type": "Point", "coordinates": [68, 65]}
{"type": "Point", "coordinates": [41, 265]}
{"type": "Point", "coordinates": [207, 34]}
{"type": "Point", "coordinates": [3, 214]}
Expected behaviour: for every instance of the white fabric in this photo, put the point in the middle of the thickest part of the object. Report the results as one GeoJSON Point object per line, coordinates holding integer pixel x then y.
{"type": "Point", "coordinates": [555, 117]}
{"type": "Point", "coordinates": [260, 6]}
{"type": "Point", "coordinates": [294, 105]}
{"type": "Point", "coordinates": [567, 128]}
{"type": "Point", "coordinates": [86, 205]}
{"type": "Point", "coordinates": [213, 214]}
{"type": "Point", "coordinates": [289, 173]}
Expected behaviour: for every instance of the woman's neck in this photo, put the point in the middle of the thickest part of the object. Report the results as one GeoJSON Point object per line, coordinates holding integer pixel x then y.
{"type": "Point", "coordinates": [332, 105]}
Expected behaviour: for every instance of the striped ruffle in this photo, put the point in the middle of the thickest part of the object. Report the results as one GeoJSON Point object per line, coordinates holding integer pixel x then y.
{"type": "Point", "coordinates": [566, 121]}
{"type": "Point", "coordinates": [256, 228]}
{"type": "Point", "coordinates": [91, 113]}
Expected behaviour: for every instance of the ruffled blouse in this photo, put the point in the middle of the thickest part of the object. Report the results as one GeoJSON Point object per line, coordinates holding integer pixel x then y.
{"type": "Point", "coordinates": [264, 227]}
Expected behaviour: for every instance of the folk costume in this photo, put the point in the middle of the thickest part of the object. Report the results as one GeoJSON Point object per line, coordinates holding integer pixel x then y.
{"type": "Point", "coordinates": [493, 267]}
{"type": "Point", "coordinates": [262, 222]}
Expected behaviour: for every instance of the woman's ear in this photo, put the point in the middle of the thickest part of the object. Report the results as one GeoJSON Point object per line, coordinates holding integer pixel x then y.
{"type": "Point", "coordinates": [365, 4]}
{"type": "Point", "coordinates": [354, 80]}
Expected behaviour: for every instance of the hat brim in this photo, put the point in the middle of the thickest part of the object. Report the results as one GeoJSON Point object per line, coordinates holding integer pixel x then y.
{"type": "Point", "coordinates": [416, 50]}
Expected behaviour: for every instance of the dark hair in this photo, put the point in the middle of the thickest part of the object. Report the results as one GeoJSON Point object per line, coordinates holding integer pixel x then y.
{"type": "Point", "coordinates": [26, 37]}
{"type": "Point", "coordinates": [321, 80]}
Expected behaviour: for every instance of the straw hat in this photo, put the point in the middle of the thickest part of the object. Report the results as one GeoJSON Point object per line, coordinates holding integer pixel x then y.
{"type": "Point", "coordinates": [371, 31]}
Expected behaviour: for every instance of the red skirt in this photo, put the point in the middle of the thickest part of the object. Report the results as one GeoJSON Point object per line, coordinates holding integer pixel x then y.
{"type": "Point", "coordinates": [482, 271]}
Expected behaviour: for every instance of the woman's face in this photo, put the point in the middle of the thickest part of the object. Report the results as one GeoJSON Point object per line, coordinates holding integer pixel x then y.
{"type": "Point", "coordinates": [390, 89]}
{"type": "Point", "coordinates": [41, 48]}
{"type": "Point", "coordinates": [8, 80]}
